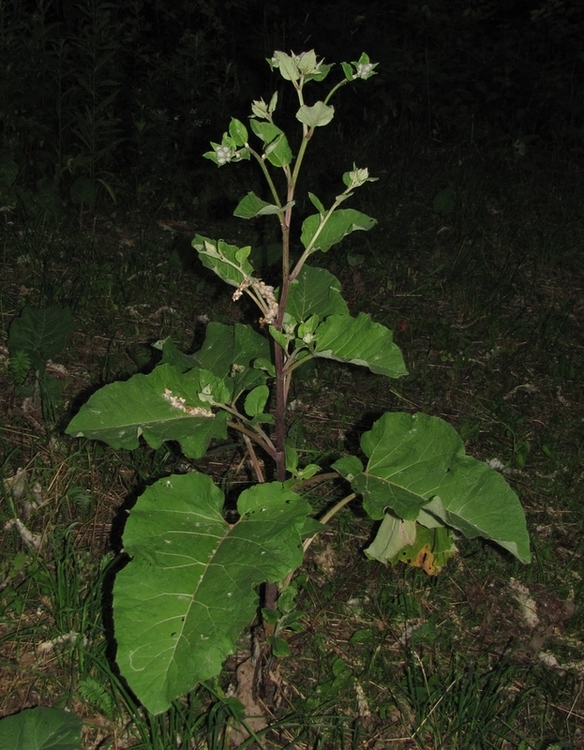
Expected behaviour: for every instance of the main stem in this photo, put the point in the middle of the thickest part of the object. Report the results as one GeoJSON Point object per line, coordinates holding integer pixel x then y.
{"type": "Point", "coordinates": [280, 436]}
{"type": "Point", "coordinates": [280, 353]}
{"type": "Point", "coordinates": [271, 589]}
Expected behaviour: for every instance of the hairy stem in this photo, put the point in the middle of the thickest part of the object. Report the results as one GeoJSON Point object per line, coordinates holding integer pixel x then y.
{"type": "Point", "coordinates": [267, 175]}
{"type": "Point", "coordinates": [280, 416]}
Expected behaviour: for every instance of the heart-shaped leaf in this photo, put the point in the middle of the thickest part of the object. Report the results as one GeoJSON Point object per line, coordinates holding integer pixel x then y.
{"type": "Point", "coordinates": [190, 589]}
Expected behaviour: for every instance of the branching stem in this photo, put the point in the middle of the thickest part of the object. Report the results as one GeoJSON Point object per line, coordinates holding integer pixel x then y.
{"type": "Point", "coordinates": [254, 459]}
{"type": "Point", "coordinates": [258, 437]}
{"type": "Point", "coordinates": [328, 515]}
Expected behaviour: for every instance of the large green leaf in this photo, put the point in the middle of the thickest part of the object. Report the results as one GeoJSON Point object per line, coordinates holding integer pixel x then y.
{"type": "Point", "coordinates": [230, 352]}
{"type": "Point", "coordinates": [41, 728]}
{"type": "Point", "coordinates": [164, 405]}
{"type": "Point", "coordinates": [172, 355]}
{"type": "Point", "coordinates": [417, 467]}
{"type": "Point", "coordinates": [315, 291]}
{"type": "Point", "coordinates": [360, 341]}
{"type": "Point", "coordinates": [41, 333]}
{"type": "Point", "coordinates": [189, 591]}
{"type": "Point", "coordinates": [340, 223]}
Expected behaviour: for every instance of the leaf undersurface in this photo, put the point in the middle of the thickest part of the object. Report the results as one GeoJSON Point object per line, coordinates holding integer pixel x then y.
{"type": "Point", "coordinates": [417, 467]}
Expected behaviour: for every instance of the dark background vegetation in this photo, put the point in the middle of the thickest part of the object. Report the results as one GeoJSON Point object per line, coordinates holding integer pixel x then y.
{"type": "Point", "coordinates": [105, 111]}
{"type": "Point", "coordinates": [128, 94]}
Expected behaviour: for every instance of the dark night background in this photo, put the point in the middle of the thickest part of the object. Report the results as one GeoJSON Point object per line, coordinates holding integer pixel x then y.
{"type": "Point", "coordinates": [474, 125]}
{"type": "Point", "coordinates": [99, 98]}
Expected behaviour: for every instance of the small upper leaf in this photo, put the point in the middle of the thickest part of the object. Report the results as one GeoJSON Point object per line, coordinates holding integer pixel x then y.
{"type": "Point", "coordinates": [224, 259]}
{"type": "Point", "coordinates": [294, 67]}
{"type": "Point", "coordinates": [276, 147]}
{"type": "Point", "coordinates": [256, 400]}
{"type": "Point", "coordinates": [286, 64]}
{"type": "Point", "coordinates": [316, 116]}
{"type": "Point", "coordinates": [338, 225]}
{"type": "Point", "coordinates": [316, 202]}
{"type": "Point", "coordinates": [238, 132]}
{"type": "Point", "coordinates": [251, 206]}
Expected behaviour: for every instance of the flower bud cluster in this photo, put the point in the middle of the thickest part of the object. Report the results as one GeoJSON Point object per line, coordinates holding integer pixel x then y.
{"type": "Point", "coordinates": [224, 154]}
{"type": "Point", "coordinates": [266, 292]}
{"type": "Point", "coordinates": [357, 177]}
{"type": "Point", "coordinates": [363, 70]}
